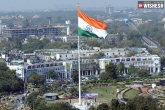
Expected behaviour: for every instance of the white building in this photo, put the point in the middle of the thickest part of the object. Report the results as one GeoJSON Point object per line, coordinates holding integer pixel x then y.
{"type": "Point", "coordinates": [65, 56]}
{"type": "Point", "coordinates": [23, 71]}
{"type": "Point", "coordinates": [111, 52]}
{"type": "Point", "coordinates": [63, 69]}
{"type": "Point", "coordinates": [150, 62]}
{"type": "Point", "coordinates": [109, 9]}
{"type": "Point", "coordinates": [87, 67]}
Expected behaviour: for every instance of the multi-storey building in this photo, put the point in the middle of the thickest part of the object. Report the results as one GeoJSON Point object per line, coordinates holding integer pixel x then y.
{"type": "Point", "coordinates": [87, 67]}
{"type": "Point", "coordinates": [63, 69]}
{"type": "Point", "coordinates": [109, 9]}
{"type": "Point", "coordinates": [23, 71]}
{"type": "Point", "coordinates": [38, 31]}
{"type": "Point", "coordinates": [150, 62]}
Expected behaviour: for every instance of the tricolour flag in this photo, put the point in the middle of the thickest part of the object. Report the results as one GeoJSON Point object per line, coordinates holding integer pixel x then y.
{"type": "Point", "coordinates": [90, 27]}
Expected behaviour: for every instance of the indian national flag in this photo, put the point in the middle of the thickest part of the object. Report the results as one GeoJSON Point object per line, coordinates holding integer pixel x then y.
{"type": "Point", "coordinates": [90, 27]}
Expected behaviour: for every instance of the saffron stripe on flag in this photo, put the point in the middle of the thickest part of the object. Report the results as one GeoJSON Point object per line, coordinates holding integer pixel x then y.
{"type": "Point", "coordinates": [91, 21]}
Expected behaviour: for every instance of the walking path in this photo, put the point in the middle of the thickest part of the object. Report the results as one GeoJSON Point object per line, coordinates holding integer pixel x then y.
{"type": "Point", "coordinates": [120, 95]}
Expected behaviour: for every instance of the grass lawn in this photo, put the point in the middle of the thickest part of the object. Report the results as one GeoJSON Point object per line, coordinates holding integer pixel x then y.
{"type": "Point", "coordinates": [103, 95]}
{"type": "Point", "coordinates": [130, 94]}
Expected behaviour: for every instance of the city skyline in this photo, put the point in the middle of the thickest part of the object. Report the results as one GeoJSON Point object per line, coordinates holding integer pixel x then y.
{"type": "Point", "coordinates": [22, 5]}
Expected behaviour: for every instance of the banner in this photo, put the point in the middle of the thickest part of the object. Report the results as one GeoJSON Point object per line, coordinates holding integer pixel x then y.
{"type": "Point", "coordinates": [106, 63]}
{"type": "Point", "coordinates": [88, 95]}
{"type": "Point", "coordinates": [68, 66]}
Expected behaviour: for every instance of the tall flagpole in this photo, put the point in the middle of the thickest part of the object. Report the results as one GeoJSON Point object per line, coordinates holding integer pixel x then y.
{"type": "Point", "coordinates": [79, 64]}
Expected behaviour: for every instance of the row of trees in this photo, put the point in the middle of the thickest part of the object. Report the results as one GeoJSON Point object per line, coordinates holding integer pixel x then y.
{"type": "Point", "coordinates": [137, 103]}
{"type": "Point", "coordinates": [117, 27]}
{"type": "Point", "coordinates": [37, 79]}
{"type": "Point", "coordinates": [40, 104]}
{"type": "Point", "coordinates": [154, 30]}
{"type": "Point", "coordinates": [133, 40]}
{"type": "Point", "coordinates": [33, 44]}
{"type": "Point", "coordinates": [113, 71]}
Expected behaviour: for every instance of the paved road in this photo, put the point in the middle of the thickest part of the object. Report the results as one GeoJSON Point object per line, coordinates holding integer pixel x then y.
{"type": "Point", "coordinates": [146, 40]}
{"type": "Point", "coordinates": [15, 103]}
{"type": "Point", "coordinates": [17, 100]}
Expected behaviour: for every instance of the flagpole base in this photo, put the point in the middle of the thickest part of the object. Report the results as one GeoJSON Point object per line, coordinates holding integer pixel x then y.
{"type": "Point", "coordinates": [80, 106]}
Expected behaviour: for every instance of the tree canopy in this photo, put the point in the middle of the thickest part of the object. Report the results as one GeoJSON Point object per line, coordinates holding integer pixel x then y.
{"type": "Point", "coordinates": [52, 74]}
{"type": "Point", "coordinates": [110, 72]}
{"type": "Point", "coordinates": [9, 81]}
{"type": "Point", "coordinates": [75, 77]}
{"type": "Point", "coordinates": [132, 70]}
{"type": "Point", "coordinates": [143, 72]}
{"type": "Point", "coordinates": [36, 79]}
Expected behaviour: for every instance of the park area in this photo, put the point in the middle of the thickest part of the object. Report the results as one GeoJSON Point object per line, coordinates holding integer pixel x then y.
{"type": "Point", "coordinates": [105, 94]}
{"type": "Point", "coordinates": [130, 94]}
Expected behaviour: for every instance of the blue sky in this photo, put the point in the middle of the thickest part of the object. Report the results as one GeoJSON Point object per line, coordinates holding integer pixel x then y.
{"type": "Point", "coordinates": [20, 5]}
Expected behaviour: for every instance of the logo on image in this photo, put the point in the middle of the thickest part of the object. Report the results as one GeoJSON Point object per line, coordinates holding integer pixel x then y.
{"type": "Point", "coordinates": [151, 4]}
{"type": "Point", "coordinates": [140, 5]}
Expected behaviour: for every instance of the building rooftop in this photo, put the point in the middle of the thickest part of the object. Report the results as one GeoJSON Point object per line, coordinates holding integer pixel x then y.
{"type": "Point", "coordinates": [50, 94]}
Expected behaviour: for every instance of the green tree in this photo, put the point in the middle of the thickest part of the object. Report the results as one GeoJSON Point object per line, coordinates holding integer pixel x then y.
{"type": "Point", "coordinates": [14, 84]}
{"type": "Point", "coordinates": [97, 56]}
{"type": "Point", "coordinates": [120, 67]}
{"type": "Point", "coordinates": [103, 106]}
{"type": "Point", "coordinates": [125, 43]}
{"type": "Point", "coordinates": [31, 99]}
{"type": "Point", "coordinates": [111, 70]}
{"type": "Point", "coordinates": [36, 79]}
{"type": "Point", "coordinates": [142, 103]}
{"type": "Point", "coordinates": [52, 74]}
{"type": "Point", "coordinates": [133, 35]}
{"type": "Point", "coordinates": [40, 104]}
{"type": "Point", "coordinates": [92, 108]}
{"type": "Point", "coordinates": [93, 43]}
{"type": "Point", "coordinates": [131, 70]}
{"type": "Point", "coordinates": [131, 53]}
{"type": "Point", "coordinates": [84, 89]}
{"type": "Point", "coordinates": [104, 76]}
{"type": "Point", "coordinates": [75, 77]}
{"type": "Point", "coordinates": [3, 66]}
{"type": "Point", "coordinates": [114, 104]}
{"type": "Point", "coordinates": [162, 62]}
{"type": "Point", "coordinates": [143, 72]}
{"type": "Point", "coordinates": [130, 106]}
{"type": "Point", "coordinates": [42, 90]}
{"type": "Point", "coordinates": [57, 86]}
{"type": "Point", "coordinates": [61, 106]}
{"type": "Point", "coordinates": [17, 42]}
{"type": "Point", "coordinates": [73, 90]}
{"type": "Point", "coordinates": [59, 45]}
{"type": "Point", "coordinates": [34, 44]}
{"type": "Point", "coordinates": [104, 46]}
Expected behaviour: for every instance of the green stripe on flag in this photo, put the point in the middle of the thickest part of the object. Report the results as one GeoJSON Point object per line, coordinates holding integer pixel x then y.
{"type": "Point", "coordinates": [86, 33]}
